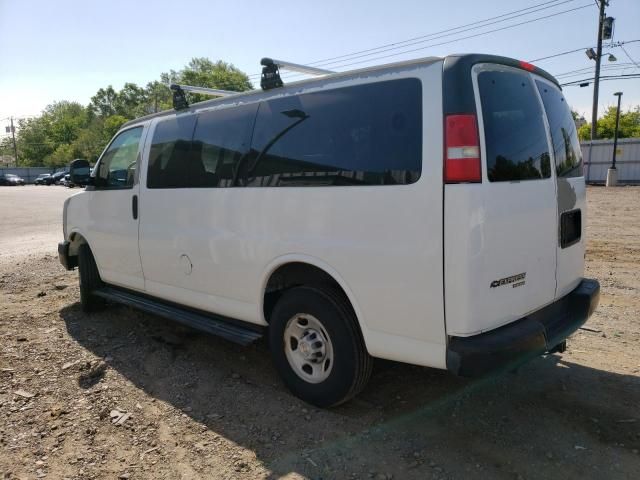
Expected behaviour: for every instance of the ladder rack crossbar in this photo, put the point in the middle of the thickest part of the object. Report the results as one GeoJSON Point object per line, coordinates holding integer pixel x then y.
{"type": "Point", "coordinates": [296, 67]}
{"type": "Point", "coordinates": [204, 90]}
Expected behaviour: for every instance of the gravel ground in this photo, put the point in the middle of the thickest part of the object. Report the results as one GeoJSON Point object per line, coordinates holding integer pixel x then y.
{"type": "Point", "coordinates": [121, 394]}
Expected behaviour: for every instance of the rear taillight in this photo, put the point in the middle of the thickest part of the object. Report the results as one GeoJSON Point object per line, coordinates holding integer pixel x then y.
{"type": "Point", "coordinates": [462, 157]}
{"type": "Point", "coordinates": [527, 66]}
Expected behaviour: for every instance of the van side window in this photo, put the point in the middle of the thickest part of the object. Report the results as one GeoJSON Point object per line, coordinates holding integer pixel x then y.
{"type": "Point", "coordinates": [170, 157]}
{"type": "Point", "coordinates": [117, 167]}
{"type": "Point", "coordinates": [362, 135]}
{"type": "Point", "coordinates": [566, 146]}
{"type": "Point", "coordinates": [219, 142]}
{"type": "Point", "coordinates": [515, 136]}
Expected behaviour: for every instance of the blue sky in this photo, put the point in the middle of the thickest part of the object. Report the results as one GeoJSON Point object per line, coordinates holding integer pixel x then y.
{"type": "Point", "coordinates": [68, 49]}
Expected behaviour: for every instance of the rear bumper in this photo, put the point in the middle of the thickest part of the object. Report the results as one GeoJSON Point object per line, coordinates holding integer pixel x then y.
{"type": "Point", "coordinates": [67, 261]}
{"type": "Point", "coordinates": [519, 341]}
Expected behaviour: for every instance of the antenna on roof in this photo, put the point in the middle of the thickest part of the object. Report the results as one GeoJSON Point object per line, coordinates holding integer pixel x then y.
{"type": "Point", "coordinates": [180, 99]}
{"type": "Point", "coordinates": [271, 72]}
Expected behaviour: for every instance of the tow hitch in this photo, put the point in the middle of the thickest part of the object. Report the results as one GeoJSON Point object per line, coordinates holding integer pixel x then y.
{"type": "Point", "coordinates": [560, 348]}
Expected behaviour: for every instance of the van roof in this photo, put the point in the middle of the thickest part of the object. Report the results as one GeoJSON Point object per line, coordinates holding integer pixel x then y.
{"type": "Point", "coordinates": [310, 81]}
{"type": "Point", "coordinates": [465, 58]}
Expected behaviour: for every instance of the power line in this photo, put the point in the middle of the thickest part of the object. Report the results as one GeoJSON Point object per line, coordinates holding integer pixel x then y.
{"type": "Point", "coordinates": [613, 45]}
{"type": "Point", "coordinates": [435, 35]}
{"type": "Point", "coordinates": [627, 76]}
{"type": "Point", "coordinates": [458, 39]}
{"type": "Point", "coordinates": [582, 71]}
{"type": "Point", "coordinates": [629, 56]}
{"type": "Point", "coordinates": [560, 54]}
{"type": "Point", "coordinates": [450, 30]}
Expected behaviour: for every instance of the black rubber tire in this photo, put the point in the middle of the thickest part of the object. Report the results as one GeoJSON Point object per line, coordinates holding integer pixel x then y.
{"type": "Point", "coordinates": [352, 363]}
{"type": "Point", "coordinates": [89, 280]}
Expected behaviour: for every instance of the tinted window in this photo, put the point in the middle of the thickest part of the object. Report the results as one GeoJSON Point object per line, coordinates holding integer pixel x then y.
{"type": "Point", "coordinates": [515, 136]}
{"type": "Point", "coordinates": [362, 135]}
{"type": "Point", "coordinates": [220, 140]}
{"type": "Point", "coordinates": [117, 167]}
{"type": "Point", "coordinates": [170, 156]}
{"type": "Point", "coordinates": [566, 146]}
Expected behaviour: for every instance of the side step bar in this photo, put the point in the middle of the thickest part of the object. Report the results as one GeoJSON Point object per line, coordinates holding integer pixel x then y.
{"type": "Point", "coordinates": [228, 329]}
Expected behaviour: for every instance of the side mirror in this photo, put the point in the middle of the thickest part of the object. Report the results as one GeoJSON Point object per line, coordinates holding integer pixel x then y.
{"type": "Point", "coordinates": [79, 171]}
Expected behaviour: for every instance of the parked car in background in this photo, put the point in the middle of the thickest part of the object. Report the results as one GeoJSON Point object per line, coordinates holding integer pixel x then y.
{"type": "Point", "coordinates": [43, 179]}
{"type": "Point", "coordinates": [9, 179]}
{"type": "Point", "coordinates": [58, 177]}
{"type": "Point", "coordinates": [66, 181]}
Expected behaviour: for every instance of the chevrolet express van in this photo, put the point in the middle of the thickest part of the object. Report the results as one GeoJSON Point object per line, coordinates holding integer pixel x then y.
{"type": "Point", "coordinates": [429, 212]}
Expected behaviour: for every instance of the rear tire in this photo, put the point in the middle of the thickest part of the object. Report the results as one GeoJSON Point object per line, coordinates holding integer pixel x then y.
{"type": "Point", "coordinates": [317, 346]}
{"type": "Point", "coordinates": [89, 280]}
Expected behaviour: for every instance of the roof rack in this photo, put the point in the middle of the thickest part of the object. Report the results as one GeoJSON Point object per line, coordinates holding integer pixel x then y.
{"type": "Point", "coordinates": [271, 72]}
{"type": "Point", "coordinates": [270, 79]}
{"type": "Point", "coordinates": [180, 99]}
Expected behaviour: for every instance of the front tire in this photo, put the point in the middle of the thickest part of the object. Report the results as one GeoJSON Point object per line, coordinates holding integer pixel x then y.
{"type": "Point", "coordinates": [317, 346]}
{"type": "Point", "coordinates": [89, 280]}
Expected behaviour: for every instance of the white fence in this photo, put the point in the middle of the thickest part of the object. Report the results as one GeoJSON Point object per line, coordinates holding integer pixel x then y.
{"type": "Point", "coordinates": [599, 153]}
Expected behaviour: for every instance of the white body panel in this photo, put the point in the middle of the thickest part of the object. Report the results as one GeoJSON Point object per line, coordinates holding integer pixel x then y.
{"type": "Point", "coordinates": [214, 249]}
{"type": "Point", "coordinates": [501, 230]}
{"type": "Point", "coordinates": [497, 230]}
{"type": "Point", "coordinates": [572, 194]}
{"type": "Point", "coordinates": [105, 219]}
{"type": "Point", "coordinates": [382, 244]}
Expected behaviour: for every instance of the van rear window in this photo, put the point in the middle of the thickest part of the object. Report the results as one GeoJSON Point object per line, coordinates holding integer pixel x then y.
{"type": "Point", "coordinates": [566, 146]}
{"type": "Point", "coordinates": [515, 136]}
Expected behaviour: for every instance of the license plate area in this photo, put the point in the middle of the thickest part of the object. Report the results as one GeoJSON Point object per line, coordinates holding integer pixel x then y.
{"type": "Point", "coordinates": [570, 228]}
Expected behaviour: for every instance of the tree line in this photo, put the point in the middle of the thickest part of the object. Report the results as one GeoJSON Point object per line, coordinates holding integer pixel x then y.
{"type": "Point", "coordinates": [629, 126]}
{"type": "Point", "coordinates": [68, 130]}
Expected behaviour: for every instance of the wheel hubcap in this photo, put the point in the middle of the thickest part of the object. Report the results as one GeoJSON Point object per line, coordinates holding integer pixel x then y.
{"type": "Point", "coordinates": [308, 348]}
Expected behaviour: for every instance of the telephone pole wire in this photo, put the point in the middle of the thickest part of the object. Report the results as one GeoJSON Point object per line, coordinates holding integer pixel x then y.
{"type": "Point", "coordinates": [596, 83]}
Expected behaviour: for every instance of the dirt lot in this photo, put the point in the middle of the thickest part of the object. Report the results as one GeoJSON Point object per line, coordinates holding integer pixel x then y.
{"type": "Point", "coordinates": [121, 394]}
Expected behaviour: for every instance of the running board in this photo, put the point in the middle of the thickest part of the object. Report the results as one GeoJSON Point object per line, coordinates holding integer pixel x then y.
{"type": "Point", "coordinates": [210, 323]}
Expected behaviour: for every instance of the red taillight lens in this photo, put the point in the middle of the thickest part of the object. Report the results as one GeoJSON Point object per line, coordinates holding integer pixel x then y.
{"type": "Point", "coordinates": [462, 156]}
{"type": "Point", "coordinates": [527, 66]}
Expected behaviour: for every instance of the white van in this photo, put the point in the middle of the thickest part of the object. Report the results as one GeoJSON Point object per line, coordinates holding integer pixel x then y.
{"type": "Point", "coordinates": [429, 212]}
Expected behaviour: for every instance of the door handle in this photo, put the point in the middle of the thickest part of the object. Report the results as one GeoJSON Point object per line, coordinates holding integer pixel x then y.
{"type": "Point", "coordinates": [134, 207]}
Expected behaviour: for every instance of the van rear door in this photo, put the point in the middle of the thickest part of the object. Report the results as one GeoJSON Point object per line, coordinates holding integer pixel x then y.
{"type": "Point", "coordinates": [500, 233]}
{"type": "Point", "coordinates": [571, 189]}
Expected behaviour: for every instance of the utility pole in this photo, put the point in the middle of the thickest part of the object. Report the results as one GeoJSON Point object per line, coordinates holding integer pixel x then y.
{"type": "Point", "coordinates": [612, 173]}
{"type": "Point", "coordinates": [13, 136]}
{"type": "Point", "coordinates": [596, 82]}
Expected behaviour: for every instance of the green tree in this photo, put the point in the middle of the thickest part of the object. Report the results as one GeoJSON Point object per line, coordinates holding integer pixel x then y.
{"type": "Point", "coordinates": [629, 125]}
{"type": "Point", "coordinates": [159, 96]}
{"type": "Point", "coordinates": [68, 130]}
{"type": "Point", "coordinates": [33, 140]}
{"type": "Point", "coordinates": [61, 156]}
{"type": "Point", "coordinates": [202, 72]}
{"type": "Point", "coordinates": [112, 125]}
{"type": "Point", "coordinates": [66, 119]}
{"type": "Point", "coordinates": [103, 103]}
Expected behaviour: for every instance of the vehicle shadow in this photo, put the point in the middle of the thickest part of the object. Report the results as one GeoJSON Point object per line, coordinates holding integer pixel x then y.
{"type": "Point", "coordinates": [552, 419]}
